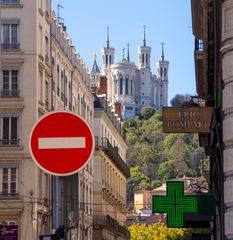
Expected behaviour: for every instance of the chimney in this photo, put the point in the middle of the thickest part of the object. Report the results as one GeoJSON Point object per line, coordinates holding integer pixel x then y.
{"type": "Point", "coordinates": [118, 109]}
{"type": "Point", "coordinates": [103, 85]}
{"type": "Point", "coordinates": [93, 88]}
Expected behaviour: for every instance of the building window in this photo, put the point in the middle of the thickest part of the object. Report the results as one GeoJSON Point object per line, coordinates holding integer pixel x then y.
{"type": "Point", "coordinates": [142, 102]}
{"type": "Point", "coordinates": [46, 94]}
{"type": "Point", "coordinates": [8, 180]}
{"type": "Point", "coordinates": [110, 59]}
{"type": "Point", "coordinates": [147, 58]}
{"type": "Point", "coordinates": [129, 108]}
{"type": "Point", "coordinates": [106, 59]}
{"type": "Point", "coordinates": [143, 60]}
{"type": "Point", "coordinates": [10, 36]}
{"type": "Point", "coordinates": [8, 222]}
{"type": "Point", "coordinates": [10, 86]}
{"type": "Point", "coordinates": [126, 86]}
{"type": "Point", "coordinates": [40, 40]}
{"type": "Point", "coordinates": [46, 49]}
{"type": "Point", "coordinates": [142, 83]}
{"type": "Point", "coordinates": [62, 86]}
{"type": "Point", "coordinates": [165, 72]}
{"type": "Point", "coordinates": [161, 72]}
{"type": "Point", "coordinates": [70, 96]}
{"type": "Point", "coordinates": [131, 86]}
{"type": "Point", "coordinates": [121, 85]}
{"type": "Point", "coordinates": [65, 91]}
{"type": "Point", "coordinates": [47, 8]}
{"type": "Point", "coordinates": [58, 81]}
{"type": "Point", "coordinates": [9, 131]}
{"type": "Point", "coordinates": [9, 1]}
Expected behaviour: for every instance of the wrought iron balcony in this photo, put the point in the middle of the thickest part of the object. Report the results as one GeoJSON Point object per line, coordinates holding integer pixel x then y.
{"type": "Point", "coordinates": [9, 142]}
{"type": "Point", "coordinates": [112, 152]}
{"type": "Point", "coordinates": [111, 224]}
{"type": "Point", "coordinates": [10, 46]}
{"type": "Point", "coordinates": [10, 93]}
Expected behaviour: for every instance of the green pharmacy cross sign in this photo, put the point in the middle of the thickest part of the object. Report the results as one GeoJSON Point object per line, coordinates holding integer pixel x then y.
{"type": "Point", "coordinates": [175, 204]}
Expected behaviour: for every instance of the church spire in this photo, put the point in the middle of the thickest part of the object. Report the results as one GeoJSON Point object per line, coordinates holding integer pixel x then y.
{"type": "Point", "coordinates": [144, 40]}
{"type": "Point", "coordinates": [107, 37]}
{"type": "Point", "coordinates": [162, 51]}
{"type": "Point", "coordinates": [128, 57]}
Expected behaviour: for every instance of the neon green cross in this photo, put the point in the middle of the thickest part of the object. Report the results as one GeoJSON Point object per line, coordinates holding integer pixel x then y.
{"type": "Point", "coordinates": [175, 204]}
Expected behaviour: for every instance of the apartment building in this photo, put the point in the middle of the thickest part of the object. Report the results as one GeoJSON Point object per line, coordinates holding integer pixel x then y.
{"type": "Point", "coordinates": [110, 173]}
{"type": "Point", "coordinates": [24, 189]}
{"type": "Point", "coordinates": [212, 28]}
{"type": "Point", "coordinates": [68, 91]}
{"type": "Point", "coordinates": [40, 72]}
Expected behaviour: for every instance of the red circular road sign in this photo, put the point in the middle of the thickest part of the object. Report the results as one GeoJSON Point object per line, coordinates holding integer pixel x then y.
{"type": "Point", "coordinates": [61, 143]}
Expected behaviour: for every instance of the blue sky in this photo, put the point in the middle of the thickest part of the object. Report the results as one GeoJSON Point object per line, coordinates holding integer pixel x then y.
{"type": "Point", "coordinates": [167, 21]}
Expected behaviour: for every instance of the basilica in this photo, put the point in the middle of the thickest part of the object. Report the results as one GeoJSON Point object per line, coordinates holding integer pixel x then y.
{"type": "Point", "coordinates": [130, 85]}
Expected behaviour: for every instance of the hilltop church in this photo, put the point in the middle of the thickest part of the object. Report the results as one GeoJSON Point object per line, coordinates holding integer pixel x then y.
{"type": "Point", "coordinates": [130, 85]}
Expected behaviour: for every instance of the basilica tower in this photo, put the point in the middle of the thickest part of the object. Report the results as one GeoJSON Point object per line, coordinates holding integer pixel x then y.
{"type": "Point", "coordinates": [144, 53]}
{"type": "Point", "coordinates": [145, 87]}
{"type": "Point", "coordinates": [107, 55]}
{"type": "Point", "coordinates": [162, 74]}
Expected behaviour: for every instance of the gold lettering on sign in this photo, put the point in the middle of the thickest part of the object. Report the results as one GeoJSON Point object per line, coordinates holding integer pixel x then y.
{"type": "Point", "coordinates": [193, 119]}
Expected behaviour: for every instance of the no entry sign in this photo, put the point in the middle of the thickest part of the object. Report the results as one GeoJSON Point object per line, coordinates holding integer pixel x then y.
{"type": "Point", "coordinates": [61, 143]}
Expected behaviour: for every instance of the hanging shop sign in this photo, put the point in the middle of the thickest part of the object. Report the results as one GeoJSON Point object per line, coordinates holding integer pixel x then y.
{"type": "Point", "coordinates": [8, 232]}
{"type": "Point", "coordinates": [187, 119]}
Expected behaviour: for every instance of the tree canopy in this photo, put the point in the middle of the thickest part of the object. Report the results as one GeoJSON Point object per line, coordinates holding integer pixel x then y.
{"type": "Point", "coordinates": [158, 231]}
{"type": "Point", "coordinates": [155, 157]}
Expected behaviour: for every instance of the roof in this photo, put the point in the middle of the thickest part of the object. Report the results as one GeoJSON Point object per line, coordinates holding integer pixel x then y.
{"type": "Point", "coordinates": [95, 68]}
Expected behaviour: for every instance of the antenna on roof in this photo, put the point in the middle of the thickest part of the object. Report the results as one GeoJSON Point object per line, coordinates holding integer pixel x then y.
{"type": "Point", "coordinates": [59, 6]}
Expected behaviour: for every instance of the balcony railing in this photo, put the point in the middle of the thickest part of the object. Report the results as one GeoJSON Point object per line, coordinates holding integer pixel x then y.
{"type": "Point", "coordinates": [10, 46]}
{"type": "Point", "coordinates": [112, 152]}
{"type": "Point", "coordinates": [111, 224]}
{"type": "Point", "coordinates": [9, 142]}
{"type": "Point", "coordinates": [10, 93]}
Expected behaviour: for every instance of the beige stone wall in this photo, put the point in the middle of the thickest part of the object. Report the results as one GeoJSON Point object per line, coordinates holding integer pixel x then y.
{"type": "Point", "coordinates": [227, 66]}
{"type": "Point", "coordinates": [35, 61]}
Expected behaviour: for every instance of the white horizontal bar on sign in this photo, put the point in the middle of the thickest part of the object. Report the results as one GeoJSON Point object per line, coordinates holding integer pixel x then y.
{"type": "Point", "coordinates": [60, 143]}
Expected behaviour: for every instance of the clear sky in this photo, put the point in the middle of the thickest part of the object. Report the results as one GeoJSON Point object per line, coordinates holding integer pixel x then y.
{"type": "Point", "coordinates": [167, 21]}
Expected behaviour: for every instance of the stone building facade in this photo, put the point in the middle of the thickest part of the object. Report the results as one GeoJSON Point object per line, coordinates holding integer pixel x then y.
{"type": "Point", "coordinates": [213, 31]}
{"type": "Point", "coordinates": [110, 173]}
{"type": "Point", "coordinates": [40, 71]}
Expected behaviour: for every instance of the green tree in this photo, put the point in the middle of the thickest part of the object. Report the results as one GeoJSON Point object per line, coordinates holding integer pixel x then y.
{"type": "Point", "coordinates": [147, 112]}
{"type": "Point", "coordinates": [158, 231]}
{"type": "Point", "coordinates": [156, 157]}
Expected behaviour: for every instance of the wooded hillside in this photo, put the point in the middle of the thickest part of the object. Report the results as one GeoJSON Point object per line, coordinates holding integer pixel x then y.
{"type": "Point", "coordinates": [155, 157]}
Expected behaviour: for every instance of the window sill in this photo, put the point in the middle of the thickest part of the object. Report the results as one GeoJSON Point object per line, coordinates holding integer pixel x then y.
{"type": "Point", "coordinates": [11, 148]}
{"type": "Point", "coordinates": [9, 197]}
{"type": "Point", "coordinates": [11, 5]}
